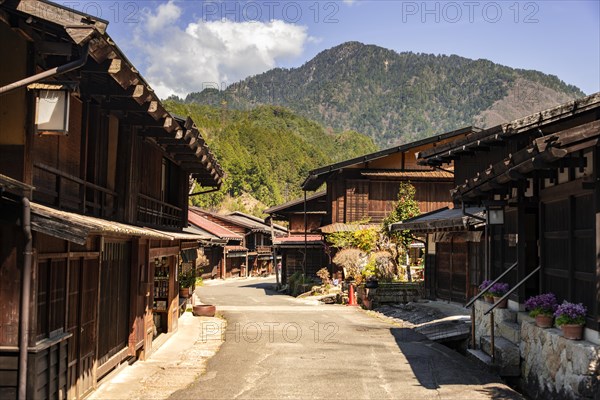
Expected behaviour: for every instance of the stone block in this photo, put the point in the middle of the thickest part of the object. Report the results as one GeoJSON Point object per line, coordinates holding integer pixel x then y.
{"type": "Point", "coordinates": [507, 355]}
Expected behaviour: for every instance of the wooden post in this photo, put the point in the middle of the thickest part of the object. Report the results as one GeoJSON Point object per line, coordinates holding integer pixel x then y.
{"type": "Point", "coordinates": [95, 368]}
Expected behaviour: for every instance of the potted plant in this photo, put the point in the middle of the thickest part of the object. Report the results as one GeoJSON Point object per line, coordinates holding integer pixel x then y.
{"type": "Point", "coordinates": [497, 291]}
{"type": "Point", "coordinates": [186, 280]}
{"type": "Point", "coordinates": [542, 307]}
{"type": "Point", "coordinates": [570, 318]}
{"type": "Point", "coordinates": [487, 296]}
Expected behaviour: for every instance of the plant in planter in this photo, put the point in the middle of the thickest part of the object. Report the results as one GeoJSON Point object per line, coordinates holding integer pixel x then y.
{"type": "Point", "coordinates": [542, 307]}
{"type": "Point", "coordinates": [497, 291]}
{"type": "Point", "coordinates": [186, 280]}
{"type": "Point", "coordinates": [570, 318]}
{"type": "Point", "coordinates": [323, 274]}
{"type": "Point", "coordinates": [487, 296]}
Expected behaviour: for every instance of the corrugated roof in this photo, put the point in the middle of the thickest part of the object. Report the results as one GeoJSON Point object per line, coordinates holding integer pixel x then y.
{"type": "Point", "coordinates": [212, 227]}
{"type": "Point", "coordinates": [414, 175]}
{"type": "Point", "coordinates": [442, 219]}
{"type": "Point", "coordinates": [340, 227]}
{"type": "Point", "coordinates": [76, 227]}
{"type": "Point", "coordinates": [296, 202]}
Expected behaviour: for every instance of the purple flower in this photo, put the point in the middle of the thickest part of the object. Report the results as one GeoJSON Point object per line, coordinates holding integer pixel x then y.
{"type": "Point", "coordinates": [542, 304]}
{"type": "Point", "coordinates": [499, 289]}
{"type": "Point", "coordinates": [570, 313]}
{"type": "Point", "coordinates": [485, 284]}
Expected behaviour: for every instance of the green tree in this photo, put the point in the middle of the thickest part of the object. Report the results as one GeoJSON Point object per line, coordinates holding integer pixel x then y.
{"type": "Point", "coordinates": [407, 207]}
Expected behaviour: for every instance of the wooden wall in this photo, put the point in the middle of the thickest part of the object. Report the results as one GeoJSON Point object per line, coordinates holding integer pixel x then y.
{"type": "Point", "coordinates": [360, 199]}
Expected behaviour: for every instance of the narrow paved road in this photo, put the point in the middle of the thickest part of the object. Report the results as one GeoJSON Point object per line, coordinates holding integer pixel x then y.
{"type": "Point", "coordinates": [279, 347]}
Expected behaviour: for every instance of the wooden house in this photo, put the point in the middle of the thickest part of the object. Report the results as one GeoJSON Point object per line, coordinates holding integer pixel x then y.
{"type": "Point", "coordinates": [257, 240]}
{"type": "Point", "coordinates": [94, 183]}
{"type": "Point", "coordinates": [224, 250]}
{"type": "Point", "coordinates": [366, 188]}
{"type": "Point", "coordinates": [304, 249]}
{"type": "Point", "coordinates": [536, 181]}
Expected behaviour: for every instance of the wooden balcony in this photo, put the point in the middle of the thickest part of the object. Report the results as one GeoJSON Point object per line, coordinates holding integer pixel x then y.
{"type": "Point", "coordinates": [67, 192]}
{"type": "Point", "coordinates": [156, 213]}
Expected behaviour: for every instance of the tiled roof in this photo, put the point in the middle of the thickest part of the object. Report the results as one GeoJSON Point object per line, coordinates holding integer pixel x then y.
{"type": "Point", "coordinates": [340, 227]}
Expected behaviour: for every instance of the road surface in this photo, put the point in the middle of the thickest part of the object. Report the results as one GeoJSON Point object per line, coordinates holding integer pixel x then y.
{"type": "Point", "coordinates": [279, 347]}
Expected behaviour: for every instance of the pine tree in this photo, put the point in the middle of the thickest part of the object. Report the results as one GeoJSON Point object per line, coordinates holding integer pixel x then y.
{"type": "Point", "coordinates": [407, 207]}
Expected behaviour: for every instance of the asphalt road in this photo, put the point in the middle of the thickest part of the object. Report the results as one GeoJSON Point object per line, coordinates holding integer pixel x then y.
{"type": "Point", "coordinates": [279, 347]}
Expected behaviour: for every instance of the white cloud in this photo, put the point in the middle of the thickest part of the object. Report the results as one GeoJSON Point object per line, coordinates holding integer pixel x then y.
{"type": "Point", "coordinates": [166, 14]}
{"type": "Point", "coordinates": [211, 53]}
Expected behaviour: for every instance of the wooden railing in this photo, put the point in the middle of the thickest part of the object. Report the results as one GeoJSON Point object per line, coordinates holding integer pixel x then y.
{"type": "Point", "coordinates": [69, 192]}
{"type": "Point", "coordinates": [157, 213]}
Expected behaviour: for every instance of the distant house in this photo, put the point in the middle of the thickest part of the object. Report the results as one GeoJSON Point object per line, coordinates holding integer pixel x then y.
{"type": "Point", "coordinates": [535, 181]}
{"type": "Point", "coordinates": [94, 184]}
{"type": "Point", "coordinates": [224, 249]}
{"type": "Point", "coordinates": [256, 239]}
{"type": "Point", "coordinates": [304, 249]}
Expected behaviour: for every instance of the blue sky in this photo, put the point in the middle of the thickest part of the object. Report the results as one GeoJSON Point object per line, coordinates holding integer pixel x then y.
{"type": "Point", "coordinates": [187, 45]}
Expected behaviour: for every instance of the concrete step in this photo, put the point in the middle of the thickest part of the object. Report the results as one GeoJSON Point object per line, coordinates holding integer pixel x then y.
{"type": "Point", "coordinates": [483, 360]}
{"type": "Point", "coordinates": [510, 331]}
{"type": "Point", "coordinates": [508, 359]}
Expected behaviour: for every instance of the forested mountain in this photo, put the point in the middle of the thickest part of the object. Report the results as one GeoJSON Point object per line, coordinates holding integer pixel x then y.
{"type": "Point", "coordinates": [396, 97]}
{"type": "Point", "coordinates": [266, 152]}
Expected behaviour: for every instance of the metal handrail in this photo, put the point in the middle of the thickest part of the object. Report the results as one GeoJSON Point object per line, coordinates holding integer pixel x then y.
{"type": "Point", "coordinates": [502, 275]}
{"type": "Point", "coordinates": [512, 290]}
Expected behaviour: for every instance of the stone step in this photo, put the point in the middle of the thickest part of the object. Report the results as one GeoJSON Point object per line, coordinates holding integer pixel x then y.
{"type": "Point", "coordinates": [510, 331]}
{"type": "Point", "coordinates": [523, 316]}
{"type": "Point", "coordinates": [508, 358]}
{"type": "Point", "coordinates": [483, 360]}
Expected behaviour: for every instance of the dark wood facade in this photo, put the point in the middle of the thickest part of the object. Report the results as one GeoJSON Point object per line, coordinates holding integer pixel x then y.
{"type": "Point", "coordinates": [294, 247]}
{"type": "Point", "coordinates": [124, 166]}
{"type": "Point", "coordinates": [542, 171]}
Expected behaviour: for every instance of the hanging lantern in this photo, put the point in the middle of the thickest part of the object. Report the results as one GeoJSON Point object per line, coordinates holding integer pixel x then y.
{"type": "Point", "coordinates": [51, 109]}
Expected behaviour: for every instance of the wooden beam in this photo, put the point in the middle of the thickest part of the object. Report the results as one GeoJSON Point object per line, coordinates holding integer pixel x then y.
{"type": "Point", "coordinates": [122, 73]}
{"type": "Point", "coordinates": [142, 94]}
{"type": "Point", "coordinates": [156, 110]}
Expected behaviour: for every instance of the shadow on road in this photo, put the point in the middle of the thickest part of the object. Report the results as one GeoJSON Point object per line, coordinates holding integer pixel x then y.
{"type": "Point", "coordinates": [435, 365]}
{"type": "Point", "coordinates": [268, 287]}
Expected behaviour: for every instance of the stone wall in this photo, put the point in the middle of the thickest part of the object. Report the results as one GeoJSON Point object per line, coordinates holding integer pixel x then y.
{"type": "Point", "coordinates": [482, 322]}
{"type": "Point", "coordinates": [390, 293]}
{"type": "Point", "coordinates": [553, 367]}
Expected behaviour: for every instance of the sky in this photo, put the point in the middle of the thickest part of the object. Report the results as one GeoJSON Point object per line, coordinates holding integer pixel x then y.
{"type": "Point", "coordinates": [183, 46]}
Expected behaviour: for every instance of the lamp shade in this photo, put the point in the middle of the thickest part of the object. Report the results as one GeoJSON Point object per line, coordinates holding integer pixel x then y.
{"type": "Point", "coordinates": [52, 112]}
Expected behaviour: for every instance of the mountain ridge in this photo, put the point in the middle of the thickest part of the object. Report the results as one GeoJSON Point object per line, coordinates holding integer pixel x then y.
{"type": "Point", "coordinates": [395, 97]}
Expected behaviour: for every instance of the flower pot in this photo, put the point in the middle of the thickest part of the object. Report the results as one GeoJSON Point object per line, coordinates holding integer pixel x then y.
{"type": "Point", "coordinates": [573, 332]}
{"type": "Point", "coordinates": [204, 310]}
{"type": "Point", "coordinates": [544, 321]}
{"type": "Point", "coordinates": [488, 299]}
{"type": "Point", "coordinates": [503, 304]}
{"type": "Point", "coordinates": [184, 292]}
